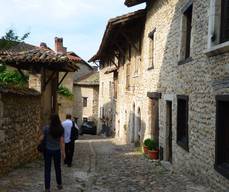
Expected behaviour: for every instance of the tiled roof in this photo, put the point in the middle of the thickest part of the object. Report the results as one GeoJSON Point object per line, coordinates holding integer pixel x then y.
{"type": "Point", "coordinates": [23, 91]}
{"type": "Point", "coordinates": [37, 58]}
{"type": "Point", "coordinates": [88, 79]}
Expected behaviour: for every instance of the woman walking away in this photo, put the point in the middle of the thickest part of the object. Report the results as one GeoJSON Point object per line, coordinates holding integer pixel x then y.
{"type": "Point", "coordinates": [54, 141]}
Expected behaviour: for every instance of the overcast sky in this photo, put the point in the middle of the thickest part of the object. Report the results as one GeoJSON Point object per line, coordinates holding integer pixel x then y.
{"type": "Point", "coordinates": [81, 23]}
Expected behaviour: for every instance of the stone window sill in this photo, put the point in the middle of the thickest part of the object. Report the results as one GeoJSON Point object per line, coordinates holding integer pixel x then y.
{"type": "Point", "coordinates": [185, 61]}
{"type": "Point", "coordinates": [218, 49]}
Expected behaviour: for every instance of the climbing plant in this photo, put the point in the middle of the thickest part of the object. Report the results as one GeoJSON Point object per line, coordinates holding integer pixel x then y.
{"type": "Point", "coordinates": [12, 77]}
{"type": "Point", "coordinates": [64, 91]}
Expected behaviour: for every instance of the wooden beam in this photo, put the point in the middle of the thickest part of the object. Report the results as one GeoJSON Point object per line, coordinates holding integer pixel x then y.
{"type": "Point", "coordinates": [129, 41]}
{"type": "Point", "coordinates": [21, 72]}
{"type": "Point", "coordinates": [120, 49]}
{"type": "Point", "coordinates": [49, 79]}
{"type": "Point", "coordinates": [66, 73]}
{"type": "Point", "coordinates": [114, 63]}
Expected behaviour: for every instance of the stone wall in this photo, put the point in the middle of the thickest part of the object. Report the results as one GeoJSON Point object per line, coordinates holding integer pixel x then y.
{"type": "Point", "coordinates": [19, 128]}
{"type": "Point", "coordinates": [201, 78]}
{"type": "Point", "coordinates": [106, 107]}
{"type": "Point", "coordinates": [195, 78]}
{"type": "Point", "coordinates": [91, 111]}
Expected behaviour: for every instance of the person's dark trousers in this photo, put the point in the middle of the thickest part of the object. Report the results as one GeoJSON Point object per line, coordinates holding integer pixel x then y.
{"type": "Point", "coordinates": [69, 151]}
{"type": "Point", "coordinates": [56, 155]}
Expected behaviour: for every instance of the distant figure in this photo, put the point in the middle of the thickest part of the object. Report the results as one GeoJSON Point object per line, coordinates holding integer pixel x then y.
{"type": "Point", "coordinates": [54, 148]}
{"type": "Point", "coordinates": [68, 125]}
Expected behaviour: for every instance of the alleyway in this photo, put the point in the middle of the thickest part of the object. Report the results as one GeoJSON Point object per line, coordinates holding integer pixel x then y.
{"type": "Point", "coordinates": [102, 166]}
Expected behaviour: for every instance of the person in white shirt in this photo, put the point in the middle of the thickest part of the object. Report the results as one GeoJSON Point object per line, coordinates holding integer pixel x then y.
{"type": "Point", "coordinates": [69, 144]}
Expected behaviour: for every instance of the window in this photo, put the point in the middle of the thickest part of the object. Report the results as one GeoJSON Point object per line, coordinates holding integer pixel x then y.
{"type": "Point", "coordinates": [222, 135]}
{"type": "Point", "coordinates": [84, 101]}
{"type": "Point", "coordinates": [85, 119]}
{"type": "Point", "coordinates": [152, 49]}
{"type": "Point", "coordinates": [110, 89]}
{"type": "Point", "coordinates": [218, 31]}
{"type": "Point", "coordinates": [102, 87]}
{"type": "Point", "coordinates": [224, 21]}
{"type": "Point", "coordinates": [115, 84]}
{"type": "Point", "coordinates": [182, 121]}
{"type": "Point", "coordinates": [128, 76]}
{"type": "Point", "coordinates": [102, 112]}
{"type": "Point", "coordinates": [185, 51]}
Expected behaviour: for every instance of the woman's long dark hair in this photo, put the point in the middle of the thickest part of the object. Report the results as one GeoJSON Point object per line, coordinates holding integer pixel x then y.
{"type": "Point", "coordinates": [55, 128]}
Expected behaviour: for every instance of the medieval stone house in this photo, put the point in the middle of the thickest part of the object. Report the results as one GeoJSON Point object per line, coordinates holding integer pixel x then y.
{"type": "Point", "coordinates": [86, 94]}
{"type": "Point", "coordinates": [176, 89]}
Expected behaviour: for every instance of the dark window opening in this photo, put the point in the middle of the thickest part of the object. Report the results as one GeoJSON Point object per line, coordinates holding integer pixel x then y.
{"type": "Point", "coordinates": [182, 122]}
{"type": "Point", "coordinates": [188, 16]}
{"type": "Point", "coordinates": [85, 119]}
{"type": "Point", "coordinates": [151, 35]}
{"type": "Point", "coordinates": [224, 21]}
{"type": "Point", "coordinates": [84, 101]}
{"type": "Point", "coordinates": [222, 135]}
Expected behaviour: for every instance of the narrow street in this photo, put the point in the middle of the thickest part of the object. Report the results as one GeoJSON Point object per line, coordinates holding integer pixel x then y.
{"type": "Point", "coordinates": [100, 165]}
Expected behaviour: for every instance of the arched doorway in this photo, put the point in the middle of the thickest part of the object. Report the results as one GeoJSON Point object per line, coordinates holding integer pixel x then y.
{"type": "Point", "coordinates": [133, 124]}
{"type": "Point", "coordinates": [138, 127]}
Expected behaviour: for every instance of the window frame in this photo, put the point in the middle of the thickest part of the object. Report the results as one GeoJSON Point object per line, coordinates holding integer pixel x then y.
{"type": "Point", "coordinates": [223, 15]}
{"type": "Point", "coordinates": [215, 45]}
{"type": "Point", "coordinates": [180, 142]}
{"type": "Point", "coordinates": [85, 101]}
{"type": "Point", "coordinates": [151, 35]}
{"type": "Point", "coordinates": [185, 55]}
{"type": "Point", "coordinates": [221, 167]}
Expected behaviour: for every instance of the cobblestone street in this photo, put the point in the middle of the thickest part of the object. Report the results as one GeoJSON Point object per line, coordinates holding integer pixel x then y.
{"type": "Point", "coordinates": [102, 166]}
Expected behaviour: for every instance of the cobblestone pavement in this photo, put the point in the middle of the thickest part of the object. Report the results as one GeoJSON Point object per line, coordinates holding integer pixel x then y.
{"type": "Point", "coordinates": [100, 165]}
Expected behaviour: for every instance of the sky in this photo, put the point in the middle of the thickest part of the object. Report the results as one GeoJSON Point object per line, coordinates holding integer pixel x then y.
{"type": "Point", "coordinates": [81, 23]}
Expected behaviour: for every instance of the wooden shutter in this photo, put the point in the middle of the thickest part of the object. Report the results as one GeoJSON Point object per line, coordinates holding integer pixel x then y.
{"type": "Point", "coordinates": [224, 21]}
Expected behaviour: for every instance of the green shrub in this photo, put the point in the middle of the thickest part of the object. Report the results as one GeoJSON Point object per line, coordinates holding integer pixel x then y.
{"type": "Point", "coordinates": [9, 77]}
{"type": "Point", "coordinates": [152, 145]}
{"type": "Point", "coordinates": [64, 91]}
{"type": "Point", "coordinates": [147, 141]}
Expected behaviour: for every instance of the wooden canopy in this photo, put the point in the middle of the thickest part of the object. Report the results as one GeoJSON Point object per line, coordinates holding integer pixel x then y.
{"type": "Point", "coordinates": [118, 31]}
{"type": "Point", "coordinates": [37, 59]}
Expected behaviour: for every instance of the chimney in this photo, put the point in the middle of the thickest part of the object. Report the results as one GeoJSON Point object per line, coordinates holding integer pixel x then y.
{"type": "Point", "coordinates": [59, 45]}
{"type": "Point", "coordinates": [43, 45]}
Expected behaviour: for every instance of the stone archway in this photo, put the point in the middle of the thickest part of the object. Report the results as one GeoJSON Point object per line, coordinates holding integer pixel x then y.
{"type": "Point", "coordinates": [133, 125]}
{"type": "Point", "coordinates": [138, 126]}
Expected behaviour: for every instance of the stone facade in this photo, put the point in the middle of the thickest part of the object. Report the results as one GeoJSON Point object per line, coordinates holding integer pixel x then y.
{"type": "Point", "coordinates": [143, 110]}
{"type": "Point", "coordinates": [86, 88]}
{"type": "Point", "coordinates": [19, 129]}
{"type": "Point", "coordinates": [106, 100]}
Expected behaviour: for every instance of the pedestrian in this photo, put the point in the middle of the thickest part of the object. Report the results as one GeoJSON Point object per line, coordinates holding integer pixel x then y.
{"type": "Point", "coordinates": [53, 134]}
{"type": "Point", "coordinates": [68, 125]}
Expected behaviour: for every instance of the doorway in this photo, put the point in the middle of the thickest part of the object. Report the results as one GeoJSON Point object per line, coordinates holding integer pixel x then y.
{"type": "Point", "coordinates": [133, 125]}
{"type": "Point", "coordinates": [169, 131]}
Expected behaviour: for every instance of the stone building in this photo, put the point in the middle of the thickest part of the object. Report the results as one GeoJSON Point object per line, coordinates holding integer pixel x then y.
{"type": "Point", "coordinates": [180, 93]}
{"type": "Point", "coordinates": [86, 94]}
{"type": "Point", "coordinates": [120, 50]}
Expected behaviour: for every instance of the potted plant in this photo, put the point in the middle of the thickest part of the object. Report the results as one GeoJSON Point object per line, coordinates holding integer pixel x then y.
{"type": "Point", "coordinates": [145, 145]}
{"type": "Point", "coordinates": [152, 149]}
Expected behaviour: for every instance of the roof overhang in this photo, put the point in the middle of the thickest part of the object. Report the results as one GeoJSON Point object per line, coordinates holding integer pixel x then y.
{"type": "Point", "coordinates": [130, 3]}
{"type": "Point", "coordinates": [112, 30]}
{"type": "Point", "coordinates": [37, 59]}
